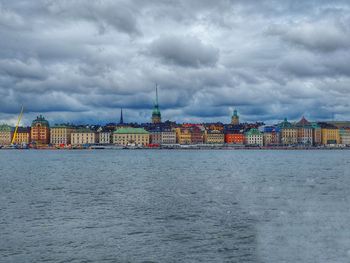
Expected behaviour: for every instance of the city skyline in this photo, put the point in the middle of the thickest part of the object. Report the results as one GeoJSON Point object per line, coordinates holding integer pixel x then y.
{"type": "Point", "coordinates": [81, 61]}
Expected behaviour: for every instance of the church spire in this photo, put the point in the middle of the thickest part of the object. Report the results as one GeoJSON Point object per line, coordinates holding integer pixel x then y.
{"type": "Point", "coordinates": [156, 116]}
{"type": "Point", "coordinates": [121, 121]}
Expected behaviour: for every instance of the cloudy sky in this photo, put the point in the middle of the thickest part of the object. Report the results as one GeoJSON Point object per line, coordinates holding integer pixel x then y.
{"type": "Point", "coordinates": [80, 60]}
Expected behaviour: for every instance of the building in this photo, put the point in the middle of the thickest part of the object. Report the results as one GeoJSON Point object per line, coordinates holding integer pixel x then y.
{"type": "Point", "coordinates": [272, 136]}
{"type": "Point", "coordinates": [131, 136]}
{"type": "Point", "coordinates": [329, 134]}
{"type": "Point", "coordinates": [156, 136]}
{"type": "Point", "coordinates": [235, 138]}
{"type": "Point", "coordinates": [6, 134]}
{"type": "Point", "coordinates": [156, 116]}
{"type": "Point", "coordinates": [22, 136]}
{"type": "Point", "coordinates": [214, 137]}
{"type": "Point", "coordinates": [61, 134]}
{"type": "Point", "coordinates": [254, 137]}
{"type": "Point", "coordinates": [316, 134]}
{"type": "Point", "coordinates": [214, 126]}
{"type": "Point", "coordinates": [183, 135]}
{"type": "Point", "coordinates": [289, 133]}
{"type": "Point", "coordinates": [84, 136]}
{"type": "Point", "coordinates": [196, 135]}
{"type": "Point", "coordinates": [40, 131]}
{"type": "Point", "coordinates": [305, 132]}
{"type": "Point", "coordinates": [105, 137]}
{"type": "Point", "coordinates": [168, 136]}
{"type": "Point", "coordinates": [162, 135]}
{"type": "Point", "coordinates": [344, 134]}
{"type": "Point", "coordinates": [235, 118]}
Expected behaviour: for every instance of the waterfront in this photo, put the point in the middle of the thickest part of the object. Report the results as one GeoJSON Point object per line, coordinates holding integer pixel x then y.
{"type": "Point", "coordinates": [174, 206]}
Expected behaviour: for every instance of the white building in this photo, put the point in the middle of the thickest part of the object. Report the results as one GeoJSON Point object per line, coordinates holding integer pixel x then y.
{"type": "Point", "coordinates": [84, 136]}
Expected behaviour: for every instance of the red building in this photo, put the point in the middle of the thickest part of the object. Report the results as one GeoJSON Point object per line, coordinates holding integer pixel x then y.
{"type": "Point", "coordinates": [196, 135]}
{"type": "Point", "coordinates": [234, 138]}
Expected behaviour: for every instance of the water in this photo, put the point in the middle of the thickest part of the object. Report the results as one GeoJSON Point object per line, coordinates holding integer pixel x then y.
{"type": "Point", "coordinates": [174, 206]}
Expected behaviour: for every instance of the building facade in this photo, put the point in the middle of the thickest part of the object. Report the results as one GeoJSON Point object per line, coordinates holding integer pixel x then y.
{"type": "Point", "coordinates": [84, 136]}
{"type": "Point", "coordinates": [234, 138]}
{"type": "Point", "coordinates": [329, 134]}
{"type": "Point", "coordinates": [40, 131]}
{"type": "Point", "coordinates": [168, 137]}
{"type": "Point", "coordinates": [316, 134]}
{"type": "Point", "coordinates": [131, 136]}
{"type": "Point", "coordinates": [254, 137]}
{"type": "Point", "coordinates": [105, 137]}
{"type": "Point", "coordinates": [272, 136]}
{"type": "Point", "coordinates": [6, 134]}
{"type": "Point", "coordinates": [196, 135]}
{"type": "Point", "coordinates": [22, 136]}
{"type": "Point", "coordinates": [61, 135]}
{"type": "Point", "coordinates": [214, 137]}
{"type": "Point", "coordinates": [305, 132]}
{"type": "Point", "coordinates": [289, 133]}
{"type": "Point", "coordinates": [183, 135]}
{"type": "Point", "coordinates": [344, 134]}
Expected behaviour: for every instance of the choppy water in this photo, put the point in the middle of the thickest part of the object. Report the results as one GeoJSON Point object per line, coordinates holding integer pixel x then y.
{"type": "Point", "coordinates": [174, 206]}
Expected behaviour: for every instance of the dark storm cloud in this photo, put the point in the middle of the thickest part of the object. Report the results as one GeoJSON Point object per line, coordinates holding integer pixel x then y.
{"type": "Point", "coordinates": [82, 60]}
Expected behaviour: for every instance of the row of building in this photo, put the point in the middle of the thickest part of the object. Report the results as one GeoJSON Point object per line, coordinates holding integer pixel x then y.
{"type": "Point", "coordinates": [157, 133]}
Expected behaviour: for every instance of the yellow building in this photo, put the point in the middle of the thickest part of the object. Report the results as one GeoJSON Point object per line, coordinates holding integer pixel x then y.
{"type": "Point", "coordinates": [22, 136]}
{"type": "Point", "coordinates": [214, 137]}
{"type": "Point", "coordinates": [329, 134]}
{"type": "Point", "coordinates": [183, 135]}
{"type": "Point", "coordinates": [61, 134]}
{"type": "Point", "coordinates": [84, 136]}
{"type": "Point", "coordinates": [131, 136]}
{"type": "Point", "coordinates": [289, 133]}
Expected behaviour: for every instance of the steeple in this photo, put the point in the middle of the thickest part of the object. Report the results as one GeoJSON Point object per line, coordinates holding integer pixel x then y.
{"type": "Point", "coordinates": [156, 116]}
{"type": "Point", "coordinates": [121, 121]}
{"type": "Point", "coordinates": [235, 118]}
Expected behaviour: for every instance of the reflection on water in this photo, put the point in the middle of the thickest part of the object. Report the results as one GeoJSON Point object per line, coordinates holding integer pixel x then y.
{"type": "Point", "coordinates": [174, 206]}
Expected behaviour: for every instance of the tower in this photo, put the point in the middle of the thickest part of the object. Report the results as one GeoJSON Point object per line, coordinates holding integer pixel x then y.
{"type": "Point", "coordinates": [235, 118]}
{"type": "Point", "coordinates": [156, 116]}
{"type": "Point", "coordinates": [121, 121]}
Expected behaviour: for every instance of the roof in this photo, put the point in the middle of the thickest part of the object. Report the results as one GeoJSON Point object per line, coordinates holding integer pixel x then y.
{"type": "Point", "coordinates": [84, 130]}
{"type": "Point", "coordinates": [23, 130]}
{"type": "Point", "coordinates": [57, 126]}
{"type": "Point", "coordinates": [325, 125]}
{"type": "Point", "coordinates": [271, 129]}
{"type": "Point", "coordinates": [285, 124]}
{"type": "Point", "coordinates": [40, 119]}
{"type": "Point", "coordinates": [128, 130]}
{"type": "Point", "coordinates": [5, 128]}
{"type": "Point", "coordinates": [304, 123]}
{"type": "Point", "coordinates": [253, 131]}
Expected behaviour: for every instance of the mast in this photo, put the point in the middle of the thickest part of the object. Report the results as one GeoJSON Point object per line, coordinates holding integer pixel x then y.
{"type": "Point", "coordinates": [16, 129]}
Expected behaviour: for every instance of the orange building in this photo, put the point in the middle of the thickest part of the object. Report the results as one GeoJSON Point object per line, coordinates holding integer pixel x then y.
{"type": "Point", "coordinates": [40, 131]}
{"type": "Point", "coordinates": [234, 138]}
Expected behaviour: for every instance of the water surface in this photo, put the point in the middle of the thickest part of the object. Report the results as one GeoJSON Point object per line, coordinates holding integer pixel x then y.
{"type": "Point", "coordinates": [174, 206]}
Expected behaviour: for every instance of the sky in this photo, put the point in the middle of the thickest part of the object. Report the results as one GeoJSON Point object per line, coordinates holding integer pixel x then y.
{"type": "Point", "coordinates": [80, 61]}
